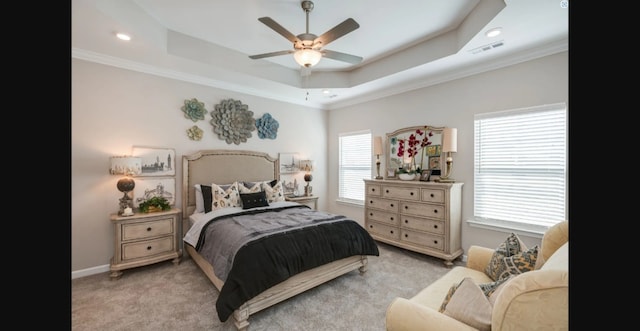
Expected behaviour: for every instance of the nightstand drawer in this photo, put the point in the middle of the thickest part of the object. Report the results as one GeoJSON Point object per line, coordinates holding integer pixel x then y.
{"type": "Point", "coordinates": [147, 248]}
{"type": "Point", "coordinates": [147, 229]}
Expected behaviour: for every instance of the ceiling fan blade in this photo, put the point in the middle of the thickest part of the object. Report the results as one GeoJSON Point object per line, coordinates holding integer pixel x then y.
{"type": "Point", "coordinates": [337, 31]}
{"type": "Point", "coordinates": [279, 29]}
{"type": "Point", "coordinates": [341, 56]}
{"type": "Point", "coordinates": [260, 56]}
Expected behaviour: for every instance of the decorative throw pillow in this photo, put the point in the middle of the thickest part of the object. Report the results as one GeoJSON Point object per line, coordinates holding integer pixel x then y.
{"type": "Point", "coordinates": [199, 199]}
{"type": "Point", "coordinates": [250, 187]}
{"type": "Point", "coordinates": [252, 200]}
{"type": "Point", "coordinates": [518, 263]}
{"type": "Point", "coordinates": [274, 192]}
{"type": "Point", "coordinates": [511, 246]}
{"type": "Point", "coordinates": [467, 303]}
{"type": "Point", "coordinates": [490, 288]}
{"type": "Point", "coordinates": [224, 196]}
{"type": "Point", "coordinates": [494, 292]}
{"type": "Point", "coordinates": [207, 197]}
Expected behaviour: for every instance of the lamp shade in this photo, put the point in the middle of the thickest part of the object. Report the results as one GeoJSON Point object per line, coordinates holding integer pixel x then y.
{"type": "Point", "coordinates": [377, 145]}
{"type": "Point", "coordinates": [450, 140]}
{"type": "Point", "coordinates": [307, 57]}
{"type": "Point", "coordinates": [306, 165]}
{"type": "Point", "coordinates": [125, 165]}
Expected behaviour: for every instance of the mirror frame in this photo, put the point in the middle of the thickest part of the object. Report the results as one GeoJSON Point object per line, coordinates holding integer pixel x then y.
{"type": "Point", "coordinates": [403, 133]}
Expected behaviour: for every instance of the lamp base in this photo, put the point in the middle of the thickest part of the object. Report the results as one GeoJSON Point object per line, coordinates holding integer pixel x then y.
{"type": "Point", "coordinates": [445, 180]}
{"type": "Point", "coordinates": [307, 190]}
{"type": "Point", "coordinates": [378, 177]}
{"type": "Point", "coordinates": [125, 202]}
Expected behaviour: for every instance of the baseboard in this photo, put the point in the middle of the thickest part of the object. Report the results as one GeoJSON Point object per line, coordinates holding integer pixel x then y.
{"type": "Point", "coordinates": [89, 271]}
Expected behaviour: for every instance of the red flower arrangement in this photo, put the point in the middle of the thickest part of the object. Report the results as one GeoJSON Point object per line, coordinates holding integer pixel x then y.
{"type": "Point", "coordinates": [415, 144]}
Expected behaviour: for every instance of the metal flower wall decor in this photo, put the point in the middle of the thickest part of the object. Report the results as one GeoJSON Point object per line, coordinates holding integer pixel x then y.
{"type": "Point", "coordinates": [267, 127]}
{"type": "Point", "coordinates": [194, 110]}
{"type": "Point", "coordinates": [232, 121]}
{"type": "Point", "coordinates": [194, 133]}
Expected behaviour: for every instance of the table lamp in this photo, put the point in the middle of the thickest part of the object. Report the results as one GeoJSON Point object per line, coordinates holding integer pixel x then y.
{"type": "Point", "coordinates": [377, 150]}
{"type": "Point", "coordinates": [449, 145]}
{"type": "Point", "coordinates": [307, 166]}
{"type": "Point", "coordinates": [127, 166]}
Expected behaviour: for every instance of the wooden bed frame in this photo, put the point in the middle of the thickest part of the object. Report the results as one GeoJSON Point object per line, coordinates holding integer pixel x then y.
{"type": "Point", "coordinates": [227, 166]}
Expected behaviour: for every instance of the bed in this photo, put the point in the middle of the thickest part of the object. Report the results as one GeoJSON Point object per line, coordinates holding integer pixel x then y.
{"type": "Point", "coordinates": [237, 166]}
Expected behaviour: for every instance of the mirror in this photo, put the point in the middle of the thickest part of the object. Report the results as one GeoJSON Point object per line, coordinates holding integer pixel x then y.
{"type": "Point", "coordinates": [401, 146]}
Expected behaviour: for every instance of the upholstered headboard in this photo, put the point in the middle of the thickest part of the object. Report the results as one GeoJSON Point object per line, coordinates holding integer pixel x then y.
{"type": "Point", "coordinates": [223, 166]}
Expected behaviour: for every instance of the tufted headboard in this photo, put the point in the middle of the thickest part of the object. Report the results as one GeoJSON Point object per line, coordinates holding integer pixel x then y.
{"type": "Point", "coordinates": [223, 166]}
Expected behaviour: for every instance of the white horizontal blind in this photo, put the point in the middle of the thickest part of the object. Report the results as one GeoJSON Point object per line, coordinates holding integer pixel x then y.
{"type": "Point", "coordinates": [520, 165]}
{"type": "Point", "coordinates": [354, 165]}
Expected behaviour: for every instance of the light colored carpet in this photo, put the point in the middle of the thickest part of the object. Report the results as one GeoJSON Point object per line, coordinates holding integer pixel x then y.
{"type": "Point", "coordinates": [164, 296]}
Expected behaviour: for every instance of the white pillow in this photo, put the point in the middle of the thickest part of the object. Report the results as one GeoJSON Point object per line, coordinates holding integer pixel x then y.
{"type": "Point", "coordinates": [199, 199]}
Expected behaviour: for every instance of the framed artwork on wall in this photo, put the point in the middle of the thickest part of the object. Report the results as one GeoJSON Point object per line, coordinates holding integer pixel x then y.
{"type": "Point", "coordinates": [289, 163]}
{"type": "Point", "coordinates": [148, 188]}
{"type": "Point", "coordinates": [156, 161]}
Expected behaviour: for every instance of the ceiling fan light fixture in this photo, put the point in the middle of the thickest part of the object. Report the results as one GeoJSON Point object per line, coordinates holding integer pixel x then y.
{"type": "Point", "coordinates": [307, 57]}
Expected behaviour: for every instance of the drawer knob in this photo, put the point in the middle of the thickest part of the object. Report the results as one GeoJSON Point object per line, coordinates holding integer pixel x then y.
{"type": "Point", "coordinates": [431, 195]}
{"type": "Point", "coordinates": [387, 191]}
{"type": "Point", "coordinates": [391, 205]}
{"type": "Point", "coordinates": [373, 190]}
{"type": "Point", "coordinates": [391, 218]}
{"type": "Point", "coordinates": [370, 226]}
{"type": "Point", "coordinates": [149, 229]}
{"type": "Point", "coordinates": [435, 242]}
{"type": "Point", "coordinates": [370, 214]}
{"type": "Point", "coordinates": [411, 193]}
{"type": "Point", "coordinates": [406, 235]}
{"type": "Point", "coordinates": [435, 226]}
{"type": "Point", "coordinates": [371, 201]}
{"type": "Point", "coordinates": [391, 231]}
{"type": "Point", "coordinates": [406, 207]}
{"type": "Point", "coordinates": [406, 221]}
{"type": "Point", "coordinates": [148, 248]}
{"type": "Point", "coordinates": [435, 211]}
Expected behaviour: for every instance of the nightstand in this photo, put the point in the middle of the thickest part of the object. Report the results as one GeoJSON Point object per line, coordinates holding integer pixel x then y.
{"type": "Point", "coordinates": [305, 200]}
{"type": "Point", "coordinates": [145, 238]}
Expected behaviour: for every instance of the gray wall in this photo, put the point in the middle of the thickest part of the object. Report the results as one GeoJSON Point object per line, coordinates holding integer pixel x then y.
{"type": "Point", "coordinates": [114, 109]}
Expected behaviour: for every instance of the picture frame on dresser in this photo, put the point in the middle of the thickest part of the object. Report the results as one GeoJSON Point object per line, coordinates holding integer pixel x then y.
{"type": "Point", "coordinates": [156, 161]}
{"type": "Point", "coordinates": [424, 176]}
{"type": "Point", "coordinates": [148, 188]}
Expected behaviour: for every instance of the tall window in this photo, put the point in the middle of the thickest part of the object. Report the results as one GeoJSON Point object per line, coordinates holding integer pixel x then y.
{"type": "Point", "coordinates": [520, 168]}
{"type": "Point", "coordinates": [354, 165]}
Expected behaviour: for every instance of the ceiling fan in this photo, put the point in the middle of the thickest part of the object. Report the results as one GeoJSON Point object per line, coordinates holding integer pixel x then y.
{"type": "Point", "coordinates": [307, 47]}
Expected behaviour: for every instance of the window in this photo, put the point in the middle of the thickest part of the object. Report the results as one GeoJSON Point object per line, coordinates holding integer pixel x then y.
{"type": "Point", "coordinates": [354, 166]}
{"type": "Point", "coordinates": [520, 167]}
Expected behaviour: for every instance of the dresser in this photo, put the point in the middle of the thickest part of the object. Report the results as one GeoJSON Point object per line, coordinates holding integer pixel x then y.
{"type": "Point", "coordinates": [145, 238]}
{"type": "Point", "coordinates": [424, 217]}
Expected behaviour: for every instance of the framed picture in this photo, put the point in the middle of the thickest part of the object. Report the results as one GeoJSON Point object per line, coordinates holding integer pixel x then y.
{"type": "Point", "coordinates": [148, 188]}
{"type": "Point", "coordinates": [424, 177]}
{"type": "Point", "coordinates": [434, 150]}
{"type": "Point", "coordinates": [289, 163]}
{"type": "Point", "coordinates": [156, 161]}
{"type": "Point", "coordinates": [434, 162]}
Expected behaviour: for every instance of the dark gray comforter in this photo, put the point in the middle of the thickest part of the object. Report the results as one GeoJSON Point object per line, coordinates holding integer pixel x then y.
{"type": "Point", "coordinates": [254, 250]}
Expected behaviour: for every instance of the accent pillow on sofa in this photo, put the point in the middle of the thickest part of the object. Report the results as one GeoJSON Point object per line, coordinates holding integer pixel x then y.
{"type": "Point", "coordinates": [511, 257]}
{"type": "Point", "coordinates": [467, 303]}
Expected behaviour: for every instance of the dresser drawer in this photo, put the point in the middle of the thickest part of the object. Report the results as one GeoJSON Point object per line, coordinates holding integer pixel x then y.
{"type": "Point", "coordinates": [383, 204]}
{"type": "Point", "coordinates": [383, 230]}
{"type": "Point", "coordinates": [422, 209]}
{"type": "Point", "coordinates": [373, 190]}
{"type": "Point", "coordinates": [404, 193]}
{"type": "Point", "coordinates": [422, 224]}
{"type": "Point", "coordinates": [147, 229]}
{"type": "Point", "coordinates": [423, 239]}
{"type": "Point", "coordinates": [147, 248]}
{"type": "Point", "coordinates": [433, 195]}
{"type": "Point", "coordinates": [383, 217]}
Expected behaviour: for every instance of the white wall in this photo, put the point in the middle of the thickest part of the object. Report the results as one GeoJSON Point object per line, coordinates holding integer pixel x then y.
{"type": "Point", "coordinates": [114, 109]}
{"type": "Point", "coordinates": [453, 104]}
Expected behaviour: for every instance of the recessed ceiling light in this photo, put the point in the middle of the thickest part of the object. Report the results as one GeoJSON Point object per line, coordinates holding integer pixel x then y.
{"type": "Point", "coordinates": [123, 36]}
{"type": "Point", "coordinates": [493, 32]}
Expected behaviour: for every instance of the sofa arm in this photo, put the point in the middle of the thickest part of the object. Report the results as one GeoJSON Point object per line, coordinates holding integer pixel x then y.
{"type": "Point", "coordinates": [478, 257]}
{"type": "Point", "coordinates": [405, 315]}
{"type": "Point", "coordinates": [537, 299]}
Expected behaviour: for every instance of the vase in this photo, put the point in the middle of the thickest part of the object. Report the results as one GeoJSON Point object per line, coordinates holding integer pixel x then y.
{"type": "Point", "coordinates": [405, 176]}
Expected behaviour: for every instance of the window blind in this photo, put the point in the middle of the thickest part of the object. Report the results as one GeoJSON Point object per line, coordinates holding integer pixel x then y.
{"type": "Point", "coordinates": [354, 165]}
{"type": "Point", "coordinates": [520, 165]}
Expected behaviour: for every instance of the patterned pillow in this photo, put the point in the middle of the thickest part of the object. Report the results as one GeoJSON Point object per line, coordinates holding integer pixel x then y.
{"type": "Point", "coordinates": [517, 264]}
{"type": "Point", "coordinates": [250, 187]}
{"type": "Point", "coordinates": [511, 246]}
{"type": "Point", "coordinates": [252, 200]}
{"type": "Point", "coordinates": [275, 192]}
{"type": "Point", "coordinates": [224, 196]}
{"type": "Point", "coordinates": [490, 288]}
{"type": "Point", "coordinates": [207, 197]}
{"type": "Point", "coordinates": [467, 303]}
